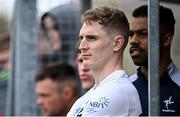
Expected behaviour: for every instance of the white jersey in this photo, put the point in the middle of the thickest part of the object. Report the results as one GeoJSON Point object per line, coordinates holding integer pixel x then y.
{"type": "Point", "coordinates": [114, 96]}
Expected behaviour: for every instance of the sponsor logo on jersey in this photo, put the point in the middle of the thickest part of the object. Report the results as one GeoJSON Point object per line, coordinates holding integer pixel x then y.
{"type": "Point", "coordinates": [167, 103]}
{"type": "Point", "coordinates": [94, 106]}
{"type": "Point", "coordinates": [78, 112]}
{"type": "Point", "coordinates": [101, 103]}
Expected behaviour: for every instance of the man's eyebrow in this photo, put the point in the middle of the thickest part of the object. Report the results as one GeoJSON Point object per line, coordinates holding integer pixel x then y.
{"type": "Point", "coordinates": [88, 36]}
{"type": "Point", "coordinates": [138, 30]}
{"type": "Point", "coordinates": [91, 36]}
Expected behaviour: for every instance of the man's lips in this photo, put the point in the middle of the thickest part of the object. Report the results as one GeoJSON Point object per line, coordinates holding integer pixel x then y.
{"type": "Point", "coordinates": [85, 56]}
{"type": "Point", "coordinates": [84, 77]}
{"type": "Point", "coordinates": [135, 51]}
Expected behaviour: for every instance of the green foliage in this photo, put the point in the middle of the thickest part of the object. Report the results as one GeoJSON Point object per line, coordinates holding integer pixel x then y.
{"type": "Point", "coordinates": [4, 75]}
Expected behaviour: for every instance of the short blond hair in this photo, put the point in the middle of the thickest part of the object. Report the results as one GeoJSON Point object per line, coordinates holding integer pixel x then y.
{"type": "Point", "coordinates": [109, 17]}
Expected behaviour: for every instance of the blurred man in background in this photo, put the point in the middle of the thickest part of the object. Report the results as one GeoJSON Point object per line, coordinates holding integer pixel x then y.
{"type": "Point", "coordinates": [4, 51]}
{"type": "Point", "coordinates": [57, 88]}
{"type": "Point", "coordinates": [85, 74]}
{"type": "Point", "coordinates": [169, 74]}
{"type": "Point", "coordinates": [4, 68]}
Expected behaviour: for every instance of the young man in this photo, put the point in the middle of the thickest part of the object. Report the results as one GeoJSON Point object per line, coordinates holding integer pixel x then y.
{"type": "Point", "coordinates": [4, 68]}
{"type": "Point", "coordinates": [4, 50]}
{"type": "Point", "coordinates": [85, 74]}
{"type": "Point", "coordinates": [103, 38]}
{"type": "Point", "coordinates": [57, 89]}
{"type": "Point", "coordinates": [170, 76]}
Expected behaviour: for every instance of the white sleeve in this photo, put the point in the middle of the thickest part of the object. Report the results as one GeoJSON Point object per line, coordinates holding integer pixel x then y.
{"type": "Point", "coordinates": [78, 106]}
{"type": "Point", "coordinates": [74, 108]}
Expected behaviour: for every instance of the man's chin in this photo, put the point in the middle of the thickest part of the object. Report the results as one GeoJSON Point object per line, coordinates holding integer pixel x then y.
{"type": "Point", "coordinates": [137, 63]}
{"type": "Point", "coordinates": [86, 63]}
{"type": "Point", "coordinates": [87, 86]}
{"type": "Point", "coordinates": [45, 113]}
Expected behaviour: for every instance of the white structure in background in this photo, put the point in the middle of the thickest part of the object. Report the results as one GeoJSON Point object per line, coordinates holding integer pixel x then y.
{"type": "Point", "coordinates": [7, 6]}
{"type": "Point", "coordinates": [45, 5]}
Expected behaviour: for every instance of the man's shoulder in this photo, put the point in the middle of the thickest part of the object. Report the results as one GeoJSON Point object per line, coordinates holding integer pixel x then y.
{"type": "Point", "coordinates": [133, 77]}
{"type": "Point", "coordinates": [123, 85]}
{"type": "Point", "coordinates": [174, 73]}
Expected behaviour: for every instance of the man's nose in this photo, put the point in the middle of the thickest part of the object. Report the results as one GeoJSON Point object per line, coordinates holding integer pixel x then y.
{"type": "Point", "coordinates": [39, 101]}
{"type": "Point", "coordinates": [83, 45]}
{"type": "Point", "coordinates": [133, 39]}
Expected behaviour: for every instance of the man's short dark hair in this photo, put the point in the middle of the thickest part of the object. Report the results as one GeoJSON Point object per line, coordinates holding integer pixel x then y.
{"type": "Point", "coordinates": [4, 41]}
{"type": "Point", "coordinates": [165, 14]}
{"type": "Point", "coordinates": [60, 73]}
{"type": "Point", "coordinates": [42, 23]}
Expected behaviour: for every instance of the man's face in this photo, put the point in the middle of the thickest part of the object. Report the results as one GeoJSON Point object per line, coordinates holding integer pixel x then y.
{"type": "Point", "coordinates": [49, 98]}
{"type": "Point", "coordinates": [4, 59]}
{"type": "Point", "coordinates": [138, 41]}
{"type": "Point", "coordinates": [53, 34]}
{"type": "Point", "coordinates": [85, 74]}
{"type": "Point", "coordinates": [96, 46]}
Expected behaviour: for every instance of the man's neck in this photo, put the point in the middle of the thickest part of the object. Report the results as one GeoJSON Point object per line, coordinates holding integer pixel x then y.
{"type": "Point", "coordinates": [163, 65]}
{"type": "Point", "coordinates": [144, 70]}
{"type": "Point", "coordinates": [101, 73]}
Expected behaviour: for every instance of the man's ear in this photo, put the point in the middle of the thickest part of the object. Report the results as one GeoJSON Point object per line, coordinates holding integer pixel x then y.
{"type": "Point", "coordinates": [167, 39]}
{"type": "Point", "coordinates": [118, 43]}
{"type": "Point", "coordinates": [68, 93]}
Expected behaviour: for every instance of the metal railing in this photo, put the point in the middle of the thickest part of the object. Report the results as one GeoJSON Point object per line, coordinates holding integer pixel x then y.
{"type": "Point", "coordinates": [21, 94]}
{"type": "Point", "coordinates": [153, 57]}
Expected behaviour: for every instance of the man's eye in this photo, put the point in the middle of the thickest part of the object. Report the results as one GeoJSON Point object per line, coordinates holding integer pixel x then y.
{"type": "Point", "coordinates": [91, 38]}
{"type": "Point", "coordinates": [43, 95]}
{"type": "Point", "coordinates": [80, 37]}
{"type": "Point", "coordinates": [80, 60]}
{"type": "Point", "coordinates": [130, 33]}
{"type": "Point", "coordinates": [143, 33]}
